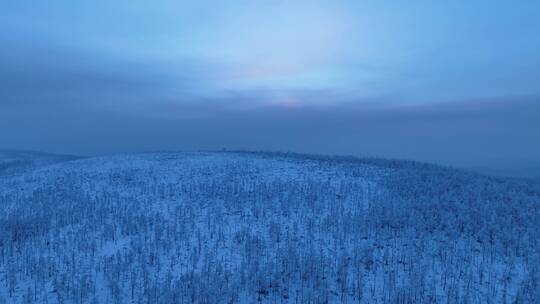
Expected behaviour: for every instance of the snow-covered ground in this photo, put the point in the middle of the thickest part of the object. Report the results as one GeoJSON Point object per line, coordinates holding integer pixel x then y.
{"type": "Point", "coordinates": [227, 227]}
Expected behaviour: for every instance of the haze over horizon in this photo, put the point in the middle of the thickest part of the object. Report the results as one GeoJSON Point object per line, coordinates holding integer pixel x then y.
{"type": "Point", "coordinates": [453, 83]}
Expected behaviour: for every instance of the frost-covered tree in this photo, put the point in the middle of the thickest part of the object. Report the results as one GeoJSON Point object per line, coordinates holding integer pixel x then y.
{"type": "Point", "coordinates": [276, 228]}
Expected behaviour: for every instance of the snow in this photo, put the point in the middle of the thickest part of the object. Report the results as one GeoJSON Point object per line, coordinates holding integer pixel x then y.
{"type": "Point", "coordinates": [222, 227]}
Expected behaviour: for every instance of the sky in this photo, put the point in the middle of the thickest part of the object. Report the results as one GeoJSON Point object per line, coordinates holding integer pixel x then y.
{"type": "Point", "coordinates": [450, 82]}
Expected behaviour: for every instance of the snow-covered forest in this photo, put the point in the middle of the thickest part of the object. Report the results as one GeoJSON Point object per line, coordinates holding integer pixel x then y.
{"type": "Point", "coordinates": [226, 227]}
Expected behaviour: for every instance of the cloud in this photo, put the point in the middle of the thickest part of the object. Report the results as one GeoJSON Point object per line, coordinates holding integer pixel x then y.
{"type": "Point", "coordinates": [462, 133]}
{"type": "Point", "coordinates": [38, 76]}
{"type": "Point", "coordinates": [62, 100]}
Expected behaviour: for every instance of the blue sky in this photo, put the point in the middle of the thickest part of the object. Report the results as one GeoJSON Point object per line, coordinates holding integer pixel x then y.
{"type": "Point", "coordinates": [324, 67]}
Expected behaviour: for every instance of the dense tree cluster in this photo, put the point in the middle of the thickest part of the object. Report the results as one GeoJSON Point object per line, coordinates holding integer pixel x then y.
{"type": "Point", "coordinates": [276, 228]}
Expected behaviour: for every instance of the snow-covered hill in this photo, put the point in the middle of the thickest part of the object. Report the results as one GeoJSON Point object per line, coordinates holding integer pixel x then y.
{"type": "Point", "coordinates": [17, 162]}
{"type": "Point", "coordinates": [280, 228]}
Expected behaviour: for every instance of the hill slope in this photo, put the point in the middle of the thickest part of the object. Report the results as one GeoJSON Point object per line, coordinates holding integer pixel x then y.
{"type": "Point", "coordinates": [247, 227]}
{"type": "Point", "coordinates": [18, 162]}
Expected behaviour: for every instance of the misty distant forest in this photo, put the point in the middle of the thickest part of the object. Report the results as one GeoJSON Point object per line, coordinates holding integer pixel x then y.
{"type": "Point", "coordinates": [224, 227]}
